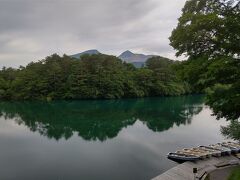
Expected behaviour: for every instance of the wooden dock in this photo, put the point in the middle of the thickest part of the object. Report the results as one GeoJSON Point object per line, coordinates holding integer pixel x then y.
{"type": "Point", "coordinates": [185, 171]}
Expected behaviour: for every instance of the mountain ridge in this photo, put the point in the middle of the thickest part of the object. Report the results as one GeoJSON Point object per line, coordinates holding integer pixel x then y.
{"type": "Point", "coordinates": [131, 57]}
{"type": "Point", "coordinates": [90, 52]}
{"type": "Point", "coordinates": [138, 60]}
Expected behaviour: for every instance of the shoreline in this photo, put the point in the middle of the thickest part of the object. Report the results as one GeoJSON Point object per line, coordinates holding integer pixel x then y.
{"type": "Point", "coordinates": [185, 171]}
{"type": "Point", "coordinates": [102, 99]}
{"type": "Point", "coordinates": [222, 173]}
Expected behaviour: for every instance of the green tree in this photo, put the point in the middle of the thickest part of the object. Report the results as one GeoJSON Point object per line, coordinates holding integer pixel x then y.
{"type": "Point", "coordinates": [208, 28]}
{"type": "Point", "coordinates": [91, 77]}
{"type": "Point", "coordinates": [158, 62]}
{"type": "Point", "coordinates": [232, 130]}
{"type": "Point", "coordinates": [208, 33]}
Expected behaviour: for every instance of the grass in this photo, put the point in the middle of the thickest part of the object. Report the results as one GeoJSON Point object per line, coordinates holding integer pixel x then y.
{"type": "Point", "coordinates": [207, 178]}
{"type": "Point", "coordinates": [235, 174]}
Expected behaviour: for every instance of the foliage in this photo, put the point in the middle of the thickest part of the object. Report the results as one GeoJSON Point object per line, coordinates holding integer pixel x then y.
{"type": "Point", "coordinates": [192, 73]}
{"type": "Point", "coordinates": [208, 28]}
{"type": "Point", "coordinates": [235, 174]}
{"type": "Point", "coordinates": [232, 130]}
{"type": "Point", "coordinates": [225, 100]}
{"type": "Point", "coordinates": [92, 77]}
{"type": "Point", "coordinates": [208, 33]}
{"type": "Point", "coordinates": [158, 62]}
{"type": "Point", "coordinates": [219, 78]}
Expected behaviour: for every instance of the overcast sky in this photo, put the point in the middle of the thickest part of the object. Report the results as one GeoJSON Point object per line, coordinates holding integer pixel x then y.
{"type": "Point", "coordinates": [33, 29]}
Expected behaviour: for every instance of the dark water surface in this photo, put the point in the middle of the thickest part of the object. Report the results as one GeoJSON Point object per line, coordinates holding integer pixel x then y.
{"type": "Point", "coordinates": [100, 140]}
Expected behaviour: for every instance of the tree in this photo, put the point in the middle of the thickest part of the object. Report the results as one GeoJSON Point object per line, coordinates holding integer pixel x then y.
{"type": "Point", "coordinates": [208, 31]}
{"type": "Point", "coordinates": [92, 77]}
{"type": "Point", "coordinates": [232, 130]}
{"type": "Point", "coordinates": [208, 28]}
{"type": "Point", "coordinates": [158, 62]}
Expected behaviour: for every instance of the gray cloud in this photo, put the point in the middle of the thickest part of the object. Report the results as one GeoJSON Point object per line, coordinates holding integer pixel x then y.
{"type": "Point", "coordinates": [33, 29]}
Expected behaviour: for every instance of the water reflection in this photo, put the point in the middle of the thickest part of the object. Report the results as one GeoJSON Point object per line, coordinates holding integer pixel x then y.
{"type": "Point", "coordinates": [100, 120]}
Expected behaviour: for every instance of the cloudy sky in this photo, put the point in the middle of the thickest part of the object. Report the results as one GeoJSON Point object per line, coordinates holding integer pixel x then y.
{"type": "Point", "coordinates": [33, 29]}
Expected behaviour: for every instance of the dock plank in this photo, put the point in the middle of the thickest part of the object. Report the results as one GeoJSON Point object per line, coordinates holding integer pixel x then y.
{"type": "Point", "coordinates": [184, 171]}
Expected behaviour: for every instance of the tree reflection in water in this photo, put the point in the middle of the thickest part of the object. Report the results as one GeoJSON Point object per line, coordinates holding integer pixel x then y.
{"type": "Point", "coordinates": [101, 120]}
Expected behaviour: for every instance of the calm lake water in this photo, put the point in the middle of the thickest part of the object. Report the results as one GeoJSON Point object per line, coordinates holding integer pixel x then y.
{"type": "Point", "coordinates": [107, 140]}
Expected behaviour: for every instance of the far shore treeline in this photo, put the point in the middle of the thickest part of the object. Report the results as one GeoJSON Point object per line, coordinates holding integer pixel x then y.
{"type": "Point", "coordinates": [91, 77]}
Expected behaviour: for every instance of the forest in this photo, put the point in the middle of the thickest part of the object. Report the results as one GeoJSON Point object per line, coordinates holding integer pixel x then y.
{"type": "Point", "coordinates": [91, 77]}
{"type": "Point", "coordinates": [207, 34]}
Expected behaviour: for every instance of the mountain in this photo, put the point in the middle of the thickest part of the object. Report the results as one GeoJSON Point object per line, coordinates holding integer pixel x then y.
{"type": "Point", "coordinates": [90, 52]}
{"type": "Point", "coordinates": [130, 57]}
{"type": "Point", "coordinates": [138, 60]}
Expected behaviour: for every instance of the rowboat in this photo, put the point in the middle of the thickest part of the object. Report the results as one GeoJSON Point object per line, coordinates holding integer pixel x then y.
{"type": "Point", "coordinates": [194, 153]}
{"type": "Point", "coordinates": [207, 153]}
{"type": "Point", "coordinates": [233, 145]}
{"type": "Point", "coordinates": [214, 152]}
{"type": "Point", "coordinates": [188, 153]}
{"type": "Point", "coordinates": [179, 157]}
{"type": "Point", "coordinates": [233, 149]}
{"type": "Point", "coordinates": [224, 150]}
{"type": "Point", "coordinates": [202, 152]}
{"type": "Point", "coordinates": [237, 145]}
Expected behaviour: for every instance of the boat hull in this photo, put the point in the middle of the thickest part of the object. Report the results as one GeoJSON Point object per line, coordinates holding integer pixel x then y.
{"type": "Point", "coordinates": [182, 157]}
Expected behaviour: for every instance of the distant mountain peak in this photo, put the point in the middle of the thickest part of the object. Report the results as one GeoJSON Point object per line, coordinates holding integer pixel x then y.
{"type": "Point", "coordinates": [127, 53]}
{"type": "Point", "coordinates": [90, 52]}
{"type": "Point", "coordinates": [130, 57]}
{"type": "Point", "coordinates": [93, 51]}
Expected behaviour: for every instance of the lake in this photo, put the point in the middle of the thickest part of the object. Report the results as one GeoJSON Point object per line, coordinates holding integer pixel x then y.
{"type": "Point", "coordinates": [108, 140]}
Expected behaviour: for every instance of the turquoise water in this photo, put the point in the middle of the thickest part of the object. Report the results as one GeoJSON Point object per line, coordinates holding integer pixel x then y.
{"type": "Point", "coordinates": [119, 139]}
